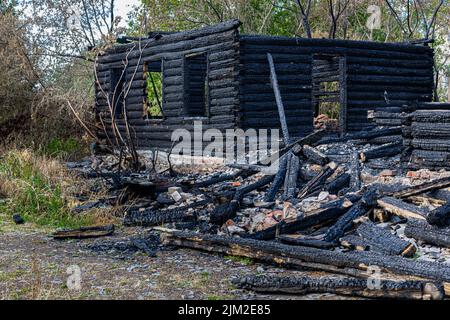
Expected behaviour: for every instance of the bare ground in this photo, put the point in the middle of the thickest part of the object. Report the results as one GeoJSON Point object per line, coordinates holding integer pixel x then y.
{"type": "Point", "coordinates": [34, 266]}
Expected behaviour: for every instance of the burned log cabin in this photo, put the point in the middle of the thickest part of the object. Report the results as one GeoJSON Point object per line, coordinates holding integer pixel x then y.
{"type": "Point", "coordinates": [169, 80]}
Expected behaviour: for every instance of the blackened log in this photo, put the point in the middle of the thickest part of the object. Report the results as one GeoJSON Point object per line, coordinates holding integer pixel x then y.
{"type": "Point", "coordinates": [84, 232]}
{"type": "Point", "coordinates": [314, 155]}
{"type": "Point", "coordinates": [318, 180]}
{"type": "Point", "coordinates": [355, 181]}
{"type": "Point", "coordinates": [345, 222]}
{"type": "Point", "coordinates": [151, 217]}
{"type": "Point", "coordinates": [279, 100]}
{"type": "Point", "coordinates": [306, 242]}
{"type": "Point", "coordinates": [227, 211]}
{"type": "Point", "coordinates": [306, 257]}
{"type": "Point", "coordinates": [221, 178]}
{"type": "Point", "coordinates": [423, 188]}
{"type": "Point", "coordinates": [401, 208]}
{"type": "Point", "coordinates": [278, 180]}
{"type": "Point", "coordinates": [367, 135]}
{"type": "Point", "coordinates": [342, 181]}
{"type": "Point", "coordinates": [347, 286]}
{"type": "Point", "coordinates": [432, 144]}
{"type": "Point", "coordinates": [290, 182]}
{"type": "Point", "coordinates": [386, 150]}
{"type": "Point", "coordinates": [354, 242]}
{"type": "Point", "coordinates": [440, 216]}
{"type": "Point", "coordinates": [421, 230]}
{"type": "Point", "coordinates": [385, 240]}
{"type": "Point", "coordinates": [313, 219]}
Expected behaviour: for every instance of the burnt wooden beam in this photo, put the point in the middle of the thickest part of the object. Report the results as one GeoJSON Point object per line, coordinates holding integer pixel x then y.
{"type": "Point", "coordinates": [440, 216]}
{"type": "Point", "coordinates": [278, 180]}
{"type": "Point", "coordinates": [422, 188]}
{"type": "Point", "coordinates": [318, 180]}
{"type": "Point", "coordinates": [314, 155]}
{"type": "Point", "coordinates": [342, 181]}
{"type": "Point", "coordinates": [386, 150]}
{"type": "Point", "coordinates": [401, 208]}
{"type": "Point", "coordinates": [421, 230]}
{"type": "Point", "coordinates": [84, 232]}
{"type": "Point", "coordinates": [346, 286]}
{"type": "Point", "coordinates": [290, 182]}
{"type": "Point", "coordinates": [385, 240]}
{"type": "Point", "coordinates": [279, 100]}
{"type": "Point", "coordinates": [151, 217]}
{"type": "Point", "coordinates": [227, 211]}
{"type": "Point", "coordinates": [345, 222]}
{"type": "Point", "coordinates": [306, 257]}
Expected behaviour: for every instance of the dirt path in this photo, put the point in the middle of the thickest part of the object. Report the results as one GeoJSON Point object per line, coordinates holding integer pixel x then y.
{"type": "Point", "coordinates": [33, 266]}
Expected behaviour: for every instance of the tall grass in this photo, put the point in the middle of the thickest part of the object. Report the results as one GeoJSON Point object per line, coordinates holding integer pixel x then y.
{"type": "Point", "coordinates": [38, 188]}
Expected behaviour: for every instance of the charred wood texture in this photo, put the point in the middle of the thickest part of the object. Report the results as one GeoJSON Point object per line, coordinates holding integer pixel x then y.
{"type": "Point", "coordinates": [440, 216]}
{"type": "Point", "coordinates": [345, 222]}
{"type": "Point", "coordinates": [84, 232]}
{"type": "Point", "coordinates": [385, 240]}
{"type": "Point", "coordinates": [347, 286]}
{"type": "Point", "coordinates": [342, 181]}
{"type": "Point", "coordinates": [227, 211]}
{"type": "Point", "coordinates": [402, 209]}
{"type": "Point", "coordinates": [290, 185]}
{"type": "Point", "coordinates": [151, 217]}
{"type": "Point", "coordinates": [386, 150]}
{"type": "Point", "coordinates": [306, 257]}
{"type": "Point", "coordinates": [318, 180]}
{"type": "Point", "coordinates": [423, 188]}
{"type": "Point", "coordinates": [314, 155]}
{"type": "Point", "coordinates": [421, 230]}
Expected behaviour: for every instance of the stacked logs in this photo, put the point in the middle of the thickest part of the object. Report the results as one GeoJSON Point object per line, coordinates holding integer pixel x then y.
{"type": "Point", "coordinates": [429, 136]}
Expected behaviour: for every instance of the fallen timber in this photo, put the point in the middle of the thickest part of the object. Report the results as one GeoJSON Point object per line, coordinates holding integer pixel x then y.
{"type": "Point", "coordinates": [440, 216]}
{"type": "Point", "coordinates": [227, 211]}
{"type": "Point", "coordinates": [318, 180]}
{"type": "Point", "coordinates": [345, 222]}
{"type": "Point", "coordinates": [151, 217]}
{"type": "Point", "coordinates": [84, 232]}
{"type": "Point", "coordinates": [385, 240]}
{"type": "Point", "coordinates": [387, 289]}
{"type": "Point", "coordinates": [386, 150]}
{"type": "Point", "coordinates": [401, 208]}
{"type": "Point", "coordinates": [421, 230]}
{"type": "Point", "coordinates": [422, 188]}
{"type": "Point", "coordinates": [350, 263]}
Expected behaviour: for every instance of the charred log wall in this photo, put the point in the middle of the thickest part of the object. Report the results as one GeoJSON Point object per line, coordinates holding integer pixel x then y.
{"type": "Point", "coordinates": [430, 137]}
{"type": "Point", "coordinates": [403, 71]}
{"type": "Point", "coordinates": [220, 45]}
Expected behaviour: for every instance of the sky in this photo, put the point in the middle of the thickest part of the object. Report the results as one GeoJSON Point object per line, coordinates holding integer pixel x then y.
{"type": "Point", "coordinates": [123, 7]}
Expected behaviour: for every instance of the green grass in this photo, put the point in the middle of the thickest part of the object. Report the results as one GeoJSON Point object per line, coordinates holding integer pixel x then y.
{"type": "Point", "coordinates": [58, 147]}
{"type": "Point", "coordinates": [36, 197]}
{"type": "Point", "coordinates": [242, 260]}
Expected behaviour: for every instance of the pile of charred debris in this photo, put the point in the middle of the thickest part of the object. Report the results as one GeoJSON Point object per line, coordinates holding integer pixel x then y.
{"type": "Point", "coordinates": [344, 205]}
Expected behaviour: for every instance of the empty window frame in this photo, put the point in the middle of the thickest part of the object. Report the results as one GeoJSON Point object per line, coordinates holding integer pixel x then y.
{"type": "Point", "coordinates": [154, 90]}
{"type": "Point", "coordinates": [329, 91]}
{"type": "Point", "coordinates": [196, 86]}
{"type": "Point", "coordinates": [116, 91]}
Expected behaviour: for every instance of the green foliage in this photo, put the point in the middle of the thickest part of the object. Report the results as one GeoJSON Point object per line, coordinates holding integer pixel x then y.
{"type": "Point", "coordinates": [34, 195]}
{"type": "Point", "coordinates": [59, 147]}
{"type": "Point", "coordinates": [154, 94]}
